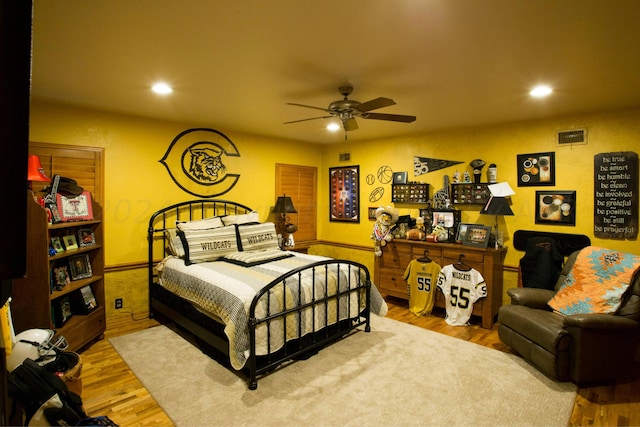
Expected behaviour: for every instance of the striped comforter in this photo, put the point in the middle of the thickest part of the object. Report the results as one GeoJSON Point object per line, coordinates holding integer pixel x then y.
{"type": "Point", "coordinates": [226, 290]}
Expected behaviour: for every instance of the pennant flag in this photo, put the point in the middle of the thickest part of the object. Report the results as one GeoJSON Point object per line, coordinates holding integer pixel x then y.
{"type": "Point", "coordinates": [424, 165]}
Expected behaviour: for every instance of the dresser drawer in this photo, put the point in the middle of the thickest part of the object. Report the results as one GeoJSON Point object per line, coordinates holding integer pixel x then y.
{"type": "Point", "coordinates": [391, 280]}
{"type": "Point", "coordinates": [396, 259]}
{"type": "Point", "coordinates": [468, 255]}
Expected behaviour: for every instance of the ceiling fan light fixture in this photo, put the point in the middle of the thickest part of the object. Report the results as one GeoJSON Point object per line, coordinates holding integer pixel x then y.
{"type": "Point", "coordinates": [333, 127]}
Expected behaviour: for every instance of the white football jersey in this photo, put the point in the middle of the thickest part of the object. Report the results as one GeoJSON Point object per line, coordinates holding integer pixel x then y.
{"type": "Point", "coordinates": [461, 288]}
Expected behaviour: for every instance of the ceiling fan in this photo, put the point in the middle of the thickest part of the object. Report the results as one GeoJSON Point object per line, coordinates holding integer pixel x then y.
{"type": "Point", "coordinates": [348, 109]}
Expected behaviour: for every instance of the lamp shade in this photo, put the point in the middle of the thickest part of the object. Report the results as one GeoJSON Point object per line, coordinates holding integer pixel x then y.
{"type": "Point", "coordinates": [35, 172]}
{"type": "Point", "coordinates": [496, 206]}
{"type": "Point", "coordinates": [284, 205]}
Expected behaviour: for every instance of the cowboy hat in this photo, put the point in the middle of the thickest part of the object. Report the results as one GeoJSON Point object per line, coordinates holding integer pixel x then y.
{"type": "Point", "coordinates": [392, 212]}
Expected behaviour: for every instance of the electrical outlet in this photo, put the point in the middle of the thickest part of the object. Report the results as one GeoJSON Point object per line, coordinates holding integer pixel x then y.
{"type": "Point", "coordinates": [118, 303]}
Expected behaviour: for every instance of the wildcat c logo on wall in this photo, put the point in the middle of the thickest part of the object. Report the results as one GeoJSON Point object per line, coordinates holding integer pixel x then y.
{"type": "Point", "coordinates": [197, 162]}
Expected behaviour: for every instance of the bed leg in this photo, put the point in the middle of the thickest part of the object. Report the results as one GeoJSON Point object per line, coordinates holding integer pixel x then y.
{"type": "Point", "coordinates": [253, 384]}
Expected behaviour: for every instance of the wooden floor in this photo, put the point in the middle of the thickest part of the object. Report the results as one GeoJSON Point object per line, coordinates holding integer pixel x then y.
{"type": "Point", "coordinates": [111, 389]}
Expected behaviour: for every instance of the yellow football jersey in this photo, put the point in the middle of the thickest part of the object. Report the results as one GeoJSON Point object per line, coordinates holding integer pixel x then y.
{"type": "Point", "coordinates": [421, 278]}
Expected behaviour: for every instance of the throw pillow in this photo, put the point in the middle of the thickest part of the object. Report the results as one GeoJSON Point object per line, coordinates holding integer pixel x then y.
{"type": "Point", "coordinates": [208, 245]}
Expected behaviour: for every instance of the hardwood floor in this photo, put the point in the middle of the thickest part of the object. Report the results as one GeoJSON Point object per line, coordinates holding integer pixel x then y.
{"type": "Point", "coordinates": [111, 389]}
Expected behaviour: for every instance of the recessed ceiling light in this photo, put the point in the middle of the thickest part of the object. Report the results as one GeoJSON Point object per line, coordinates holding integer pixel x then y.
{"type": "Point", "coordinates": [161, 88]}
{"type": "Point", "coordinates": [333, 127]}
{"type": "Point", "coordinates": [540, 91]}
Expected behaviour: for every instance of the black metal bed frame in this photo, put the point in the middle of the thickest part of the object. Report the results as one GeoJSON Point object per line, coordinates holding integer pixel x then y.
{"type": "Point", "coordinates": [211, 332]}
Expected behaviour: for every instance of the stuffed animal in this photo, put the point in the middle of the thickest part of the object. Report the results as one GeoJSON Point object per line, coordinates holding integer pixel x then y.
{"type": "Point", "coordinates": [386, 217]}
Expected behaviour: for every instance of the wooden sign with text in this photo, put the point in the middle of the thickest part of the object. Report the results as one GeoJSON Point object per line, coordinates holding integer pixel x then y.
{"type": "Point", "coordinates": [615, 200]}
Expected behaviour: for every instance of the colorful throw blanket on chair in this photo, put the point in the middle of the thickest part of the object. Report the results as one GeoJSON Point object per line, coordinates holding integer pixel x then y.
{"type": "Point", "coordinates": [596, 283]}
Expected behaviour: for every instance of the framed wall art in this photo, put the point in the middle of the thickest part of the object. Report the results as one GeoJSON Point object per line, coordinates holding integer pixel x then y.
{"type": "Point", "coordinates": [70, 242]}
{"type": "Point", "coordinates": [477, 236]}
{"type": "Point", "coordinates": [371, 213]}
{"type": "Point", "coordinates": [78, 208]}
{"type": "Point", "coordinates": [80, 267]}
{"type": "Point", "coordinates": [556, 207]}
{"type": "Point", "coordinates": [86, 237]}
{"type": "Point", "coordinates": [400, 177]}
{"type": "Point", "coordinates": [344, 194]}
{"type": "Point", "coordinates": [538, 169]}
{"type": "Point", "coordinates": [461, 235]}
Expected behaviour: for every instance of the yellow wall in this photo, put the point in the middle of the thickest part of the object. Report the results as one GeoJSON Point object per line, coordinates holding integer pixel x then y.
{"type": "Point", "coordinates": [137, 184]}
{"type": "Point", "coordinates": [500, 144]}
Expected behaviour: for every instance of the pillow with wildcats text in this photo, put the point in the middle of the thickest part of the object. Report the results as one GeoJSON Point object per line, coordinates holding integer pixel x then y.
{"type": "Point", "coordinates": [208, 245]}
{"type": "Point", "coordinates": [258, 236]}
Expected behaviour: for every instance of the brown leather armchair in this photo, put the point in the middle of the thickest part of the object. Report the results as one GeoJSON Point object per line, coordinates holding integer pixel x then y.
{"type": "Point", "coordinates": [583, 348]}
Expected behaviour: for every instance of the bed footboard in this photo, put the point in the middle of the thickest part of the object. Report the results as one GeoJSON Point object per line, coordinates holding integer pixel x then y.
{"type": "Point", "coordinates": [311, 307]}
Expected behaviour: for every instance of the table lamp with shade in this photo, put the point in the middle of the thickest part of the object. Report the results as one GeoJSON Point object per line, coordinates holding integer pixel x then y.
{"type": "Point", "coordinates": [498, 204]}
{"type": "Point", "coordinates": [35, 171]}
{"type": "Point", "coordinates": [284, 206]}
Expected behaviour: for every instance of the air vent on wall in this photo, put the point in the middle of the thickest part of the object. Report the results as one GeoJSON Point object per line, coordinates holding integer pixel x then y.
{"type": "Point", "coordinates": [345, 157]}
{"type": "Point", "coordinates": [574, 136]}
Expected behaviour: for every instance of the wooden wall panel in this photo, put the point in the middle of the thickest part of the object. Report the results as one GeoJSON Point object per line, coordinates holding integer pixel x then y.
{"type": "Point", "coordinates": [82, 163]}
{"type": "Point", "coordinates": [300, 183]}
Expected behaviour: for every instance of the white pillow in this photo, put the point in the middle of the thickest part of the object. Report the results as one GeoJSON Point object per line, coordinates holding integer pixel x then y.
{"type": "Point", "coordinates": [254, 237]}
{"type": "Point", "coordinates": [251, 217]}
{"type": "Point", "coordinates": [174, 241]}
{"type": "Point", "coordinates": [209, 244]}
{"type": "Point", "coordinates": [200, 224]}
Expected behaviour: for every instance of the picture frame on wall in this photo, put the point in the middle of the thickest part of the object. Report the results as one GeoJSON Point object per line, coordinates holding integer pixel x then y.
{"type": "Point", "coordinates": [400, 177]}
{"type": "Point", "coordinates": [537, 169]}
{"type": "Point", "coordinates": [371, 213]}
{"type": "Point", "coordinates": [344, 194]}
{"type": "Point", "coordinates": [477, 236]}
{"type": "Point", "coordinates": [556, 207]}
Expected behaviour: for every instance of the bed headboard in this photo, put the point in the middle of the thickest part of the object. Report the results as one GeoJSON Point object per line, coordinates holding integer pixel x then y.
{"type": "Point", "coordinates": [189, 210]}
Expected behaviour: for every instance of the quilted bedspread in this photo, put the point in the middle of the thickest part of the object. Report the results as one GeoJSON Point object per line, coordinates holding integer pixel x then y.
{"type": "Point", "coordinates": [596, 283]}
{"type": "Point", "coordinates": [226, 290]}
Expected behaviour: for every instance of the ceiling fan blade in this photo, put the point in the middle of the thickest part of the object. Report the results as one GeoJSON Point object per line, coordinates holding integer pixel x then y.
{"type": "Point", "coordinates": [308, 106]}
{"type": "Point", "coordinates": [350, 124]}
{"type": "Point", "coordinates": [374, 104]}
{"type": "Point", "coordinates": [305, 120]}
{"type": "Point", "coordinates": [390, 117]}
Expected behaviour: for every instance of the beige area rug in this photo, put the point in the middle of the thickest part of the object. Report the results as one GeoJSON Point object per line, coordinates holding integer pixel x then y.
{"type": "Point", "coordinates": [398, 374]}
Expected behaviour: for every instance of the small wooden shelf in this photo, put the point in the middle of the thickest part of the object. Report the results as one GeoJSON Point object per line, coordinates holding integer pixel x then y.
{"type": "Point", "coordinates": [469, 193]}
{"type": "Point", "coordinates": [410, 193]}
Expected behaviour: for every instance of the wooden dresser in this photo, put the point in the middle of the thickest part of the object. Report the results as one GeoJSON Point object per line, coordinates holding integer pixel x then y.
{"type": "Point", "coordinates": [397, 254]}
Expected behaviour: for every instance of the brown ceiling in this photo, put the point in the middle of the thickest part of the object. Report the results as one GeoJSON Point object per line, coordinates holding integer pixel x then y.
{"type": "Point", "coordinates": [234, 64]}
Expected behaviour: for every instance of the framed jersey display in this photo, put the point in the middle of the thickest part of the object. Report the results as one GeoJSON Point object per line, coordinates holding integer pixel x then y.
{"type": "Point", "coordinates": [77, 208]}
{"type": "Point", "coordinates": [344, 194]}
